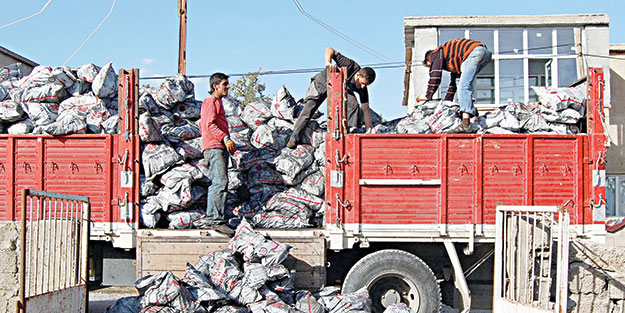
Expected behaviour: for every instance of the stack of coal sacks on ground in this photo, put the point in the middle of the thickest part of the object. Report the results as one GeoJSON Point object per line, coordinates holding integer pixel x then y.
{"type": "Point", "coordinates": [558, 111]}
{"type": "Point", "coordinates": [58, 100]}
{"type": "Point", "coordinates": [273, 186]}
{"type": "Point", "coordinates": [247, 277]}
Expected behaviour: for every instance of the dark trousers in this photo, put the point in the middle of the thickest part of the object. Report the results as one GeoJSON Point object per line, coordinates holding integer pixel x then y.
{"type": "Point", "coordinates": [313, 100]}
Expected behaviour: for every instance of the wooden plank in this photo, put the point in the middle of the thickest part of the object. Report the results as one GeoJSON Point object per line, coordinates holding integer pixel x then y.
{"type": "Point", "coordinates": [172, 253]}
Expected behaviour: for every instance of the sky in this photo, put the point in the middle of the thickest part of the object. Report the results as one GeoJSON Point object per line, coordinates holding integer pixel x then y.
{"type": "Point", "coordinates": [236, 36]}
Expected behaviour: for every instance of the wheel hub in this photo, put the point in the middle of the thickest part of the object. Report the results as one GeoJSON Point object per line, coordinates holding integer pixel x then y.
{"type": "Point", "coordinates": [387, 289]}
{"type": "Point", "coordinates": [390, 297]}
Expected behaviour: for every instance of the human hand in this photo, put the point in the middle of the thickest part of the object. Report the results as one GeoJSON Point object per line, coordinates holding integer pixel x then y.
{"type": "Point", "coordinates": [332, 68]}
{"type": "Point", "coordinates": [231, 146]}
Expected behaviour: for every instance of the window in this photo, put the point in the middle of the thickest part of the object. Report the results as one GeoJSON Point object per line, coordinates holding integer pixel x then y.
{"type": "Point", "coordinates": [522, 57]}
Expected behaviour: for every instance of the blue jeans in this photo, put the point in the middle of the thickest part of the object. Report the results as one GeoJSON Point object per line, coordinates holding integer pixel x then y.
{"type": "Point", "coordinates": [475, 62]}
{"type": "Point", "coordinates": [217, 160]}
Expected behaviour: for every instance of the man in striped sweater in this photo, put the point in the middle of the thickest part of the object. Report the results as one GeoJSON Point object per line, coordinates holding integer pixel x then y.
{"type": "Point", "coordinates": [464, 58]}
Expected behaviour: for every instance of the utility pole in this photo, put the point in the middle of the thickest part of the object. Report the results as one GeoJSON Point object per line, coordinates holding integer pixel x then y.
{"type": "Point", "coordinates": [182, 37]}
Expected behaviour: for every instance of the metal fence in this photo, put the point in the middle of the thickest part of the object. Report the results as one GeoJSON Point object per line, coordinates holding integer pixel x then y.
{"type": "Point", "coordinates": [53, 252]}
{"type": "Point", "coordinates": [530, 240]}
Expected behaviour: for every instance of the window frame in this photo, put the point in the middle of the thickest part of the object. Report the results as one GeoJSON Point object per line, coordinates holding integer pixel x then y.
{"type": "Point", "coordinates": [526, 55]}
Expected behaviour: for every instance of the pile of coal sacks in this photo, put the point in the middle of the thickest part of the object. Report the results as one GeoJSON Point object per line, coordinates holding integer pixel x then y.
{"type": "Point", "coordinates": [58, 100]}
{"type": "Point", "coordinates": [558, 111]}
{"type": "Point", "coordinates": [247, 277]}
{"type": "Point", "coordinates": [273, 186]}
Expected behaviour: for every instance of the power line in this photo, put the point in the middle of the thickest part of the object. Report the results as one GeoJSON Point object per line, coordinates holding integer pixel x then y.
{"type": "Point", "coordinates": [338, 33]}
{"type": "Point", "coordinates": [384, 65]}
{"type": "Point", "coordinates": [23, 19]}
{"type": "Point", "coordinates": [93, 32]}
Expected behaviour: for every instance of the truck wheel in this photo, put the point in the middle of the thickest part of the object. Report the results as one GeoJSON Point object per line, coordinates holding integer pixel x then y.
{"type": "Point", "coordinates": [393, 276]}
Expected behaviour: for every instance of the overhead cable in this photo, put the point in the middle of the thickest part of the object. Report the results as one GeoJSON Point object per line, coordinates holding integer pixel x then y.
{"type": "Point", "coordinates": [23, 19]}
{"type": "Point", "coordinates": [93, 32]}
{"type": "Point", "coordinates": [338, 33]}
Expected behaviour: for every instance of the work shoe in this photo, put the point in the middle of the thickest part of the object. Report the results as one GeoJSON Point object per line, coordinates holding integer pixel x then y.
{"type": "Point", "coordinates": [462, 129]}
{"type": "Point", "coordinates": [224, 229]}
{"type": "Point", "coordinates": [291, 144]}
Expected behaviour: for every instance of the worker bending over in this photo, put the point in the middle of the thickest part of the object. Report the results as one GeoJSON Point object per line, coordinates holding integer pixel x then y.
{"type": "Point", "coordinates": [464, 58]}
{"type": "Point", "coordinates": [357, 81]}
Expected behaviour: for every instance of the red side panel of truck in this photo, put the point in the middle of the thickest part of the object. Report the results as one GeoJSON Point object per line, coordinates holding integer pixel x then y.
{"type": "Point", "coordinates": [396, 179]}
{"type": "Point", "coordinates": [79, 164]}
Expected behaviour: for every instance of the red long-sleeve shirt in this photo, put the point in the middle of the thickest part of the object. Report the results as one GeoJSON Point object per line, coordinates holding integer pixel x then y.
{"type": "Point", "coordinates": [213, 123]}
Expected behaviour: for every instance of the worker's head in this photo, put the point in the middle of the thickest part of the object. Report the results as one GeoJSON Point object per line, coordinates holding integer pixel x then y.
{"type": "Point", "coordinates": [364, 77]}
{"type": "Point", "coordinates": [219, 85]}
{"type": "Point", "coordinates": [427, 60]}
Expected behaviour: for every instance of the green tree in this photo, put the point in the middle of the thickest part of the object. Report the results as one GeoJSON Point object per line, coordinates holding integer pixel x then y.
{"type": "Point", "coordinates": [249, 88]}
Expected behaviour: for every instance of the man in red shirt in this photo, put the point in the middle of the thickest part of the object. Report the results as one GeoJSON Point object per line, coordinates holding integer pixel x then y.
{"type": "Point", "coordinates": [216, 144]}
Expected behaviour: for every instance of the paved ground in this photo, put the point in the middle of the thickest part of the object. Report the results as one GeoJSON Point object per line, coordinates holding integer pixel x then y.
{"type": "Point", "coordinates": [100, 299]}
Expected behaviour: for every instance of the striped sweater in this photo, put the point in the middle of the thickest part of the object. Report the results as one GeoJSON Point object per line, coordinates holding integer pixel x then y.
{"type": "Point", "coordinates": [449, 56]}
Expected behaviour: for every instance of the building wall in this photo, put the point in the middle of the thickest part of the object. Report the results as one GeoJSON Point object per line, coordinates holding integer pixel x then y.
{"type": "Point", "coordinates": [9, 251]}
{"type": "Point", "coordinates": [616, 115]}
{"type": "Point", "coordinates": [8, 60]}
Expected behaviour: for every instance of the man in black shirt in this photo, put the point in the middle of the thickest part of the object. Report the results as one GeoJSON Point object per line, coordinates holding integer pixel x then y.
{"type": "Point", "coordinates": [357, 81]}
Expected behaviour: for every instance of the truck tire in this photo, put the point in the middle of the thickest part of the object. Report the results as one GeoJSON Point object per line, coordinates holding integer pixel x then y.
{"type": "Point", "coordinates": [395, 276]}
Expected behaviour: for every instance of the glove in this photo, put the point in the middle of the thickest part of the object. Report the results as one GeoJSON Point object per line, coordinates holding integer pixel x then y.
{"type": "Point", "coordinates": [230, 145]}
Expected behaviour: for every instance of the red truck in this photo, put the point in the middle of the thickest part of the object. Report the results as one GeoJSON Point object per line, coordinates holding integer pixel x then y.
{"type": "Point", "coordinates": [398, 206]}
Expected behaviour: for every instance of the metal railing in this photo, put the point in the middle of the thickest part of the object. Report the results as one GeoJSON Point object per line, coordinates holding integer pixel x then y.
{"type": "Point", "coordinates": [54, 248]}
{"type": "Point", "coordinates": [529, 241]}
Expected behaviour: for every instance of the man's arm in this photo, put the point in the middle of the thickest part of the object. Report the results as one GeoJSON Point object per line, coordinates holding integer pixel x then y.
{"type": "Point", "coordinates": [452, 87]}
{"type": "Point", "coordinates": [436, 73]}
{"type": "Point", "coordinates": [329, 55]}
{"type": "Point", "coordinates": [367, 113]}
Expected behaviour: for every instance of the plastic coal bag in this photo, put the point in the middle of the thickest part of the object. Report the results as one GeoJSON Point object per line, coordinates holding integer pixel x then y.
{"type": "Point", "coordinates": [87, 72]}
{"type": "Point", "coordinates": [180, 131]}
{"type": "Point", "coordinates": [157, 159]}
{"type": "Point", "coordinates": [188, 219]}
{"type": "Point", "coordinates": [104, 84]}
{"type": "Point", "coordinates": [352, 302]}
{"type": "Point", "coordinates": [444, 119]}
{"type": "Point", "coordinates": [292, 161]}
{"type": "Point", "coordinates": [256, 114]}
{"type": "Point", "coordinates": [283, 104]}
{"type": "Point", "coordinates": [20, 128]}
{"type": "Point", "coordinates": [149, 131]}
{"type": "Point", "coordinates": [256, 248]}
{"type": "Point", "coordinates": [200, 287]}
{"type": "Point", "coordinates": [190, 149]}
{"type": "Point", "coordinates": [232, 106]}
{"type": "Point", "coordinates": [314, 183]}
{"type": "Point", "coordinates": [11, 71]}
{"type": "Point", "coordinates": [125, 305]}
{"type": "Point", "coordinates": [66, 123]}
{"type": "Point", "coordinates": [412, 125]}
{"type": "Point", "coordinates": [262, 173]}
{"type": "Point", "coordinates": [10, 111]}
{"type": "Point", "coordinates": [165, 289]}
{"type": "Point", "coordinates": [560, 98]}
{"type": "Point", "coordinates": [174, 89]}
{"type": "Point", "coordinates": [266, 137]}
{"type": "Point", "coordinates": [39, 113]}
